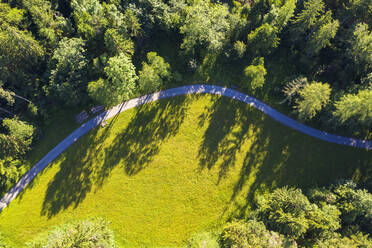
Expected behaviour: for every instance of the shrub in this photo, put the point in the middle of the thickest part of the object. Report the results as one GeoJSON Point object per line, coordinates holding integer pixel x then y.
{"type": "Point", "coordinates": [252, 234]}
{"type": "Point", "coordinates": [91, 233]}
{"type": "Point", "coordinates": [202, 240]}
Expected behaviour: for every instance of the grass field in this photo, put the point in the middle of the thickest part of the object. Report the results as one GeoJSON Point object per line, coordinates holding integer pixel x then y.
{"type": "Point", "coordinates": [168, 169]}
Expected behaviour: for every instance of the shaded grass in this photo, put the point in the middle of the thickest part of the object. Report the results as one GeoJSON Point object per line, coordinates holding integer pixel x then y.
{"type": "Point", "coordinates": [168, 169]}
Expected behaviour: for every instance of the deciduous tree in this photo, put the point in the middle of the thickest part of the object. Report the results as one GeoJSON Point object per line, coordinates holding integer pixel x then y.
{"type": "Point", "coordinates": [92, 233]}
{"type": "Point", "coordinates": [68, 73]}
{"type": "Point", "coordinates": [154, 73]}
{"type": "Point", "coordinates": [120, 84]}
{"type": "Point", "coordinates": [206, 26]}
{"type": "Point", "coordinates": [252, 234]}
{"type": "Point", "coordinates": [17, 139]}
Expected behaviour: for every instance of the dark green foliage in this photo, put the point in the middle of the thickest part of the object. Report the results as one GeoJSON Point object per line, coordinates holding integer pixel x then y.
{"type": "Point", "coordinates": [89, 17]}
{"type": "Point", "coordinates": [50, 23]}
{"type": "Point", "coordinates": [255, 74]}
{"type": "Point", "coordinates": [355, 108]}
{"type": "Point", "coordinates": [262, 40]}
{"type": "Point", "coordinates": [154, 73]}
{"type": "Point", "coordinates": [91, 233]}
{"type": "Point", "coordinates": [20, 53]}
{"type": "Point", "coordinates": [120, 83]}
{"type": "Point", "coordinates": [313, 97]}
{"type": "Point", "coordinates": [355, 206]}
{"type": "Point", "coordinates": [116, 43]}
{"type": "Point", "coordinates": [361, 47]}
{"type": "Point", "coordinates": [206, 26]}
{"type": "Point", "coordinates": [338, 216]}
{"type": "Point", "coordinates": [280, 16]}
{"type": "Point", "coordinates": [10, 172]}
{"type": "Point", "coordinates": [290, 213]}
{"type": "Point", "coordinates": [308, 17]}
{"type": "Point", "coordinates": [253, 234]}
{"type": "Point", "coordinates": [6, 95]}
{"type": "Point", "coordinates": [68, 74]}
{"type": "Point", "coordinates": [18, 138]}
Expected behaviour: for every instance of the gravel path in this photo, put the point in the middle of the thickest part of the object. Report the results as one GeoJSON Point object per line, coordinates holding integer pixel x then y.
{"type": "Point", "coordinates": [190, 89]}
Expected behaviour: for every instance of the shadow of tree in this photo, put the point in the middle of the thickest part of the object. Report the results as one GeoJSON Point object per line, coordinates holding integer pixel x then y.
{"type": "Point", "coordinates": [136, 146]}
{"type": "Point", "coordinates": [73, 181]}
{"type": "Point", "coordinates": [265, 153]}
{"type": "Point", "coordinates": [273, 155]}
{"type": "Point", "coordinates": [277, 159]}
{"type": "Point", "coordinates": [133, 147]}
{"type": "Point", "coordinates": [222, 140]}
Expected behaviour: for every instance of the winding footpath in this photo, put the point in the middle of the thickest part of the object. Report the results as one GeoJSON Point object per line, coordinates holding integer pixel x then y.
{"type": "Point", "coordinates": [190, 89]}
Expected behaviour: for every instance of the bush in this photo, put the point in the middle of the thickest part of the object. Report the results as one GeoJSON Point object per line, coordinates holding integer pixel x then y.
{"type": "Point", "coordinates": [202, 240]}
{"type": "Point", "coordinates": [252, 234]}
{"type": "Point", "coordinates": [91, 233]}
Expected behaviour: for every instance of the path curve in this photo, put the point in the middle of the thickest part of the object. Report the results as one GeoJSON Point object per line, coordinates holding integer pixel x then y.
{"type": "Point", "coordinates": [190, 89]}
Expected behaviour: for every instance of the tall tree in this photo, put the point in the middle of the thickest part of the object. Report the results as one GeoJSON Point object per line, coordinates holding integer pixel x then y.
{"type": "Point", "coordinates": [290, 213]}
{"type": "Point", "coordinates": [68, 74]}
{"type": "Point", "coordinates": [120, 84]}
{"type": "Point", "coordinates": [355, 108]}
{"type": "Point", "coordinates": [50, 23]}
{"type": "Point", "coordinates": [20, 53]}
{"type": "Point", "coordinates": [17, 141]}
{"type": "Point", "coordinates": [313, 97]}
{"type": "Point", "coordinates": [9, 97]}
{"type": "Point", "coordinates": [89, 17]}
{"type": "Point", "coordinates": [206, 26]}
{"type": "Point", "coordinates": [255, 74]}
{"type": "Point", "coordinates": [280, 16]}
{"type": "Point", "coordinates": [117, 42]}
{"type": "Point", "coordinates": [322, 36]}
{"type": "Point", "coordinates": [361, 48]}
{"type": "Point", "coordinates": [308, 17]}
{"type": "Point", "coordinates": [153, 73]}
{"type": "Point", "coordinates": [263, 39]}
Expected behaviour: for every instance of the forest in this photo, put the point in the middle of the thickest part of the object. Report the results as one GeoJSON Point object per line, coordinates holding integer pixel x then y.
{"type": "Point", "coordinates": [315, 57]}
{"type": "Point", "coordinates": [310, 59]}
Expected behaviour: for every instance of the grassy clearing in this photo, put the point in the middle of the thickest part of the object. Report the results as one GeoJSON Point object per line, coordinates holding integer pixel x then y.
{"type": "Point", "coordinates": [168, 169]}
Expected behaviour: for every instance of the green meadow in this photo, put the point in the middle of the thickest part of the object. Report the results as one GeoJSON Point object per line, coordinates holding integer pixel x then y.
{"type": "Point", "coordinates": [166, 170]}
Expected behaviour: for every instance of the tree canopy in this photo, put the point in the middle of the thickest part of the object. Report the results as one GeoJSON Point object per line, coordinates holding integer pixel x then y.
{"type": "Point", "coordinates": [313, 97]}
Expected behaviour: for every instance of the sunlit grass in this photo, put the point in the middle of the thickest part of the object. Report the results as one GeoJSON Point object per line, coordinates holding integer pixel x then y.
{"type": "Point", "coordinates": [168, 169]}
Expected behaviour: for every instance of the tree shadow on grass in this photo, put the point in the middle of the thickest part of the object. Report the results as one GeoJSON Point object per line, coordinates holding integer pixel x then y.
{"type": "Point", "coordinates": [271, 155]}
{"type": "Point", "coordinates": [280, 157]}
{"type": "Point", "coordinates": [133, 147]}
{"type": "Point", "coordinates": [222, 140]}
{"type": "Point", "coordinates": [137, 144]}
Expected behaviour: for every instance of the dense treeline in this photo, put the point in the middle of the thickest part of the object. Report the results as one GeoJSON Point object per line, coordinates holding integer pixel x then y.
{"type": "Point", "coordinates": [57, 53]}
{"type": "Point", "coordinates": [338, 216]}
